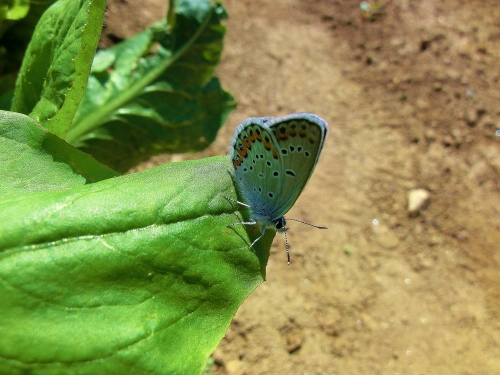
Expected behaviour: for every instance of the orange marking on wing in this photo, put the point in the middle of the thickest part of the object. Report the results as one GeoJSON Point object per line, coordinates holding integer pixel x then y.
{"type": "Point", "coordinates": [279, 135]}
{"type": "Point", "coordinates": [267, 145]}
{"type": "Point", "coordinates": [258, 136]}
{"type": "Point", "coordinates": [243, 152]}
{"type": "Point", "coordinates": [247, 143]}
{"type": "Point", "coordinates": [238, 162]}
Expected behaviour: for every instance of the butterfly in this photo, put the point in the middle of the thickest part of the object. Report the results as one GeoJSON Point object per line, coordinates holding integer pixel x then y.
{"type": "Point", "coordinates": [273, 158]}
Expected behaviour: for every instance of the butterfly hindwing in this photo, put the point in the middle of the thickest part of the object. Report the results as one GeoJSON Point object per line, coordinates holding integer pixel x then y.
{"type": "Point", "coordinates": [257, 164]}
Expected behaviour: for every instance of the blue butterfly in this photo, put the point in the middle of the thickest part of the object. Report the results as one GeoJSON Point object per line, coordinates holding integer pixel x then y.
{"type": "Point", "coordinates": [273, 159]}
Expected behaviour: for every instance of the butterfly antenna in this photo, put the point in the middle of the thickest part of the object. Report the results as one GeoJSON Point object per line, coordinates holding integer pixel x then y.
{"type": "Point", "coordinates": [303, 222]}
{"type": "Point", "coordinates": [287, 248]}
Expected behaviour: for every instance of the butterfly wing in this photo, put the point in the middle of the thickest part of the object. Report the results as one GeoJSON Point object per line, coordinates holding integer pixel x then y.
{"type": "Point", "coordinates": [273, 160]}
{"type": "Point", "coordinates": [300, 138]}
{"type": "Point", "coordinates": [257, 167]}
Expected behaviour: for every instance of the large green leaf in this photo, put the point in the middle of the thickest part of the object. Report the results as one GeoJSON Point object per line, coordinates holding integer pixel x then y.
{"type": "Point", "coordinates": [57, 64]}
{"type": "Point", "coordinates": [139, 274]}
{"type": "Point", "coordinates": [32, 159]}
{"type": "Point", "coordinates": [140, 103]}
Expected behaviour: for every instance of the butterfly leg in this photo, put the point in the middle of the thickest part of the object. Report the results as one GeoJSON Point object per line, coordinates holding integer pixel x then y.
{"type": "Point", "coordinates": [263, 229]}
{"type": "Point", "coordinates": [235, 201]}
{"type": "Point", "coordinates": [262, 232]}
{"type": "Point", "coordinates": [243, 223]}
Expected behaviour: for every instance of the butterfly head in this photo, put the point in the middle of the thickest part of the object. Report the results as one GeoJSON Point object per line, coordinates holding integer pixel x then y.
{"type": "Point", "coordinates": [280, 225]}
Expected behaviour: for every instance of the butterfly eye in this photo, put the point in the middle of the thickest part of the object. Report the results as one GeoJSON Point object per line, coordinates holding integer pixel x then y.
{"type": "Point", "coordinates": [280, 224]}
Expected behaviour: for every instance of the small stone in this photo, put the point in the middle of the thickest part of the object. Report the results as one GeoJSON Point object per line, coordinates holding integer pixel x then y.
{"type": "Point", "coordinates": [387, 240]}
{"type": "Point", "coordinates": [448, 140]}
{"type": "Point", "coordinates": [418, 199]}
{"type": "Point", "coordinates": [369, 322]}
{"type": "Point", "coordinates": [457, 135]}
{"type": "Point", "coordinates": [471, 116]}
{"type": "Point", "coordinates": [437, 86]}
{"type": "Point", "coordinates": [294, 341]}
{"type": "Point", "coordinates": [330, 322]}
{"type": "Point", "coordinates": [218, 356]}
{"type": "Point", "coordinates": [235, 367]}
{"type": "Point", "coordinates": [430, 135]}
{"type": "Point", "coordinates": [435, 240]}
{"type": "Point", "coordinates": [426, 264]}
{"type": "Point", "coordinates": [462, 235]}
{"type": "Point", "coordinates": [453, 74]}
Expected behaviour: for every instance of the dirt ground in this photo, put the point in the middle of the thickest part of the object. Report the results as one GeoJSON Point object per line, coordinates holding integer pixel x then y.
{"type": "Point", "coordinates": [411, 93]}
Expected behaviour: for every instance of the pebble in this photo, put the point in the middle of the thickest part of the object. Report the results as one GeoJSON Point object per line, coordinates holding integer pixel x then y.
{"type": "Point", "coordinates": [471, 116]}
{"type": "Point", "coordinates": [369, 322]}
{"type": "Point", "coordinates": [418, 199]}
{"type": "Point", "coordinates": [387, 240]}
{"type": "Point", "coordinates": [294, 341]}
{"type": "Point", "coordinates": [235, 367]}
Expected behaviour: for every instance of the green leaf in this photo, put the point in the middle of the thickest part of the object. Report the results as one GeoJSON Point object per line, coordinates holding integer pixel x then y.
{"type": "Point", "coordinates": [34, 160]}
{"type": "Point", "coordinates": [55, 70]}
{"type": "Point", "coordinates": [139, 103]}
{"type": "Point", "coordinates": [14, 10]}
{"type": "Point", "coordinates": [139, 274]}
{"type": "Point", "coordinates": [14, 39]}
{"type": "Point", "coordinates": [7, 83]}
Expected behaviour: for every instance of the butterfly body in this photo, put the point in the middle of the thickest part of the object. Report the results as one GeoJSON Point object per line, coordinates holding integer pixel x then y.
{"type": "Point", "coordinates": [273, 158]}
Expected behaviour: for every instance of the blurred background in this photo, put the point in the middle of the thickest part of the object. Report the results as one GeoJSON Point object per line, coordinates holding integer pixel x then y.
{"type": "Point", "coordinates": [411, 92]}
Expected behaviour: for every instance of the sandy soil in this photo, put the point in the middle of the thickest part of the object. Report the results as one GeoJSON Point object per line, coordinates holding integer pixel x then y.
{"type": "Point", "coordinates": [412, 99]}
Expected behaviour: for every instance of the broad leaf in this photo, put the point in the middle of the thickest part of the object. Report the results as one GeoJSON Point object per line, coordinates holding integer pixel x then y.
{"type": "Point", "coordinates": [32, 159]}
{"type": "Point", "coordinates": [55, 69]}
{"type": "Point", "coordinates": [139, 274]}
{"type": "Point", "coordinates": [140, 103]}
